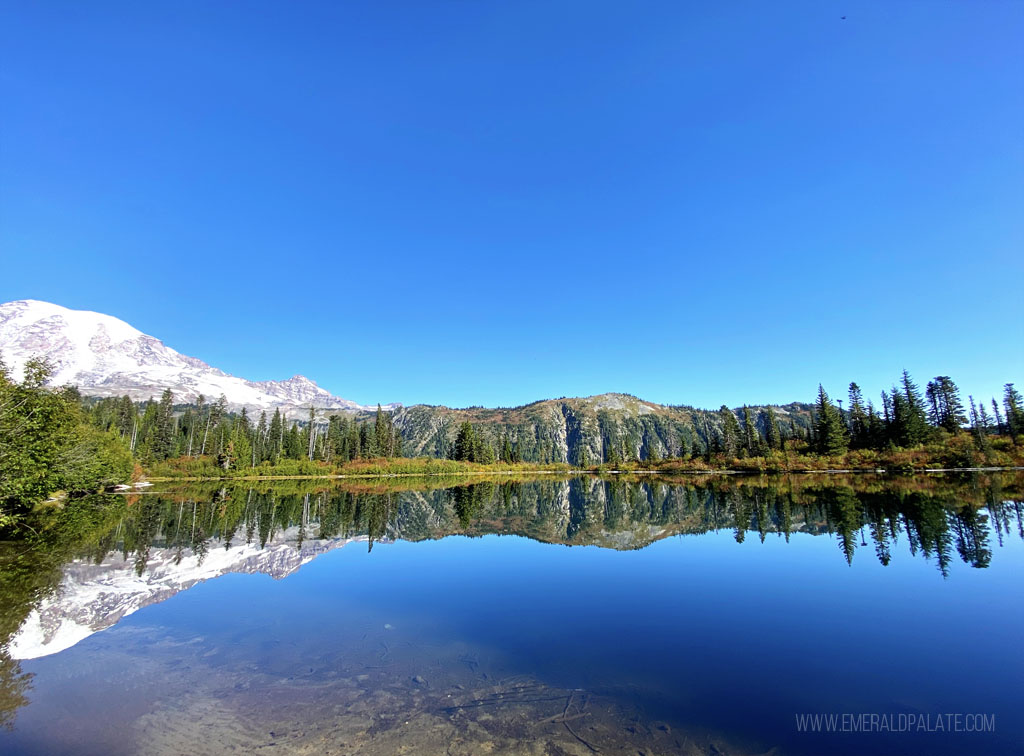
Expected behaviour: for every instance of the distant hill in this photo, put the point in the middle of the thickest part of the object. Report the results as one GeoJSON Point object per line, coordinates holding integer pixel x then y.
{"type": "Point", "coordinates": [104, 356]}
{"type": "Point", "coordinates": [587, 430]}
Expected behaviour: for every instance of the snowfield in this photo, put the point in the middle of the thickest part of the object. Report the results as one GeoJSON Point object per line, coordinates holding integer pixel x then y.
{"type": "Point", "coordinates": [105, 356]}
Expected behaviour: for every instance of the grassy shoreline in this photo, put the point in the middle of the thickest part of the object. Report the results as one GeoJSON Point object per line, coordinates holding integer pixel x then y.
{"type": "Point", "coordinates": [895, 462]}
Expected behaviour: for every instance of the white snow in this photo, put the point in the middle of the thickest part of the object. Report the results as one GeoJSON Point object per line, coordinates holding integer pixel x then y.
{"type": "Point", "coordinates": [93, 597]}
{"type": "Point", "coordinates": [105, 356]}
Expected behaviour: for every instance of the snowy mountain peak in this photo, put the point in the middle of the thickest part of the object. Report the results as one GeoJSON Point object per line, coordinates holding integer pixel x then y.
{"type": "Point", "coordinates": [105, 356]}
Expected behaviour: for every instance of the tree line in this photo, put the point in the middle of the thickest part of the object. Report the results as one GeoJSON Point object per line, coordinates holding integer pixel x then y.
{"type": "Point", "coordinates": [156, 432]}
{"type": "Point", "coordinates": [908, 418]}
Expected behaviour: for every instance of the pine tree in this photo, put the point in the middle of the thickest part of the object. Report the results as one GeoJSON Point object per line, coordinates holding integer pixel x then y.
{"type": "Point", "coordinates": [1014, 405]}
{"type": "Point", "coordinates": [979, 426]}
{"type": "Point", "coordinates": [259, 441]}
{"type": "Point", "coordinates": [730, 432]}
{"type": "Point", "coordinates": [162, 443]}
{"type": "Point", "coordinates": [945, 408]}
{"type": "Point", "coordinates": [652, 452]}
{"type": "Point", "coordinates": [275, 438]}
{"type": "Point", "coordinates": [465, 443]}
{"type": "Point", "coordinates": [773, 437]}
{"type": "Point", "coordinates": [858, 418]}
{"type": "Point", "coordinates": [293, 443]}
{"type": "Point", "coordinates": [380, 435]}
{"type": "Point", "coordinates": [751, 436]}
{"type": "Point", "coordinates": [126, 417]}
{"type": "Point", "coordinates": [1000, 426]}
{"type": "Point", "coordinates": [913, 423]}
{"type": "Point", "coordinates": [830, 433]}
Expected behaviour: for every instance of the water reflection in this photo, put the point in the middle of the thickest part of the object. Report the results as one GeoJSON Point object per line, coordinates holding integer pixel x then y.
{"type": "Point", "coordinates": [100, 560]}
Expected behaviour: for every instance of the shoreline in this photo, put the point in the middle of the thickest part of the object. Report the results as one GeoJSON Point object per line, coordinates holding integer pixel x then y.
{"type": "Point", "coordinates": [574, 472]}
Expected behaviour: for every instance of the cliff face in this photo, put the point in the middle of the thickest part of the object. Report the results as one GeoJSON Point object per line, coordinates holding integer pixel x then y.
{"type": "Point", "coordinates": [583, 430]}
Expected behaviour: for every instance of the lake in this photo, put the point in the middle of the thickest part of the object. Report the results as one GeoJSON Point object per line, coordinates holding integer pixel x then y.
{"type": "Point", "coordinates": [633, 615]}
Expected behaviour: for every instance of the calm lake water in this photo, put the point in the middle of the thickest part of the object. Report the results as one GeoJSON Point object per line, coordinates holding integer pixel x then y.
{"type": "Point", "coordinates": [552, 617]}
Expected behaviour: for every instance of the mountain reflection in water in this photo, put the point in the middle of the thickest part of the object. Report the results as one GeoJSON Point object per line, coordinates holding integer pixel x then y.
{"type": "Point", "coordinates": [101, 559]}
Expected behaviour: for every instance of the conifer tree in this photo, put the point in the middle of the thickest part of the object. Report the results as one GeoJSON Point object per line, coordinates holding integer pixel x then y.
{"type": "Point", "coordinates": [259, 438]}
{"type": "Point", "coordinates": [830, 433]}
{"type": "Point", "coordinates": [162, 443]}
{"type": "Point", "coordinates": [945, 408]}
{"type": "Point", "coordinates": [293, 443]}
{"type": "Point", "coordinates": [979, 426]}
{"type": "Point", "coordinates": [773, 437]}
{"type": "Point", "coordinates": [1000, 426]}
{"type": "Point", "coordinates": [730, 432]}
{"type": "Point", "coordinates": [1013, 403]}
{"type": "Point", "coordinates": [913, 423]}
{"type": "Point", "coordinates": [465, 443]}
{"type": "Point", "coordinates": [126, 417]}
{"type": "Point", "coordinates": [858, 418]}
{"type": "Point", "coordinates": [751, 436]}
{"type": "Point", "coordinates": [275, 438]}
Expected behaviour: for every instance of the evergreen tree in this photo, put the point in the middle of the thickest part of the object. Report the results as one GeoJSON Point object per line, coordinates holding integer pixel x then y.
{"type": "Point", "coordinates": [830, 433]}
{"type": "Point", "coordinates": [945, 408]}
{"type": "Point", "coordinates": [751, 436]}
{"type": "Point", "coordinates": [259, 441]}
{"type": "Point", "coordinates": [465, 443]}
{"type": "Point", "coordinates": [275, 438]}
{"type": "Point", "coordinates": [730, 432]}
{"type": "Point", "coordinates": [1014, 406]}
{"type": "Point", "coordinates": [913, 423]}
{"type": "Point", "coordinates": [293, 443]}
{"type": "Point", "coordinates": [483, 452]}
{"type": "Point", "coordinates": [366, 441]}
{"type": "Point", "coordinates": [858, 418]}
{"type": "Point", "coordinates": [652, 451]}
{"type": "Point", "coordinates": [162, 443]}
{"type": "Point", "coordinates": [1000, 426]}
{"type": "Point", "coordinates": [772, 437]}
{"type": "Point", "coordinates": [126, 417]}
{"type": "Point", "coordinates": [979, 426]}
{"type": "Point", "coordinates": [380, 434]}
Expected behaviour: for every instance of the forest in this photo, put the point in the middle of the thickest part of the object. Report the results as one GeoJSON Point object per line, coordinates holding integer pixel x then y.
{"type": "Point", "coordinates": [54, 440]}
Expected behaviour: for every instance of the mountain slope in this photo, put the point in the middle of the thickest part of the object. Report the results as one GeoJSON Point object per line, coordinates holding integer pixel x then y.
{"type": "Point", "coordinates": [105, 356]}
{"type": "Point", "coordinates": [581, 430]}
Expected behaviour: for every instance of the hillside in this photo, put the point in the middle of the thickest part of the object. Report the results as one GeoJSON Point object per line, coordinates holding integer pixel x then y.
{"type": "Point", "coordinates": [587, 430]}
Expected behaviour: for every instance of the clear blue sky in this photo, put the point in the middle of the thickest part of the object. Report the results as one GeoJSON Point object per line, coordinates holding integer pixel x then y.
{"type": "Point", "coordinates": [495, 202]}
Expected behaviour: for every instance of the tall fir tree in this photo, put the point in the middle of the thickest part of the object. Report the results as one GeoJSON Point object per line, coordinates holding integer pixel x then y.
{"type": "Point", "coordinates": [1014, 406]}
{"type": "Point", "coordinates": [913, 429]}
{"type": "Point", "coordinates": [945, 410]}
{"type": "Point", "coordinates": [858, 418]}
{"type": "Point", "coordinates": [830, 435]}
{"type": "Point", "coordinates": [730, 432]}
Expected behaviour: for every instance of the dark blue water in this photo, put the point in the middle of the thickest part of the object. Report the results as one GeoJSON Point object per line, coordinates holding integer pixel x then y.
{"type": "Point", "coordinates": [695, 633]}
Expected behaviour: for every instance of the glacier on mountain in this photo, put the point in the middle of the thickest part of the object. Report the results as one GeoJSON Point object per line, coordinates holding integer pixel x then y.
{"type": "Point", "coordinates": [104, 356]}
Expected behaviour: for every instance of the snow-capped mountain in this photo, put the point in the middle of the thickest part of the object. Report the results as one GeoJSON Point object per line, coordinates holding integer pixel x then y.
{"type": "Point", "coordinates": [93, 597]}
{"type": "Point", "coordinates": [105, 356]}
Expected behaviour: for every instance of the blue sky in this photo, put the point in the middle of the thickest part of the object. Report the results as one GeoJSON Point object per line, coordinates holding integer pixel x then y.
{"type": "Point", "coordinates": [491, 203]}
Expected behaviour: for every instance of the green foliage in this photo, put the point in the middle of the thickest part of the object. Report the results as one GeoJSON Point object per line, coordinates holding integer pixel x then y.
{"type": "Point", "coordinates": [1014, 405]}
{"type": "Point", "coordinates": [909, 421]}
{"type": "Point", "coordinates": [37, 426]}
{"type": "Point", "coordinates": [94, 459]}
{"type": "Point", "coordinates": [945, 408]}
{"type": "Point", "coordinates": [730, 432]}
{"type": "Point", "coordinates": [830, 435]}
